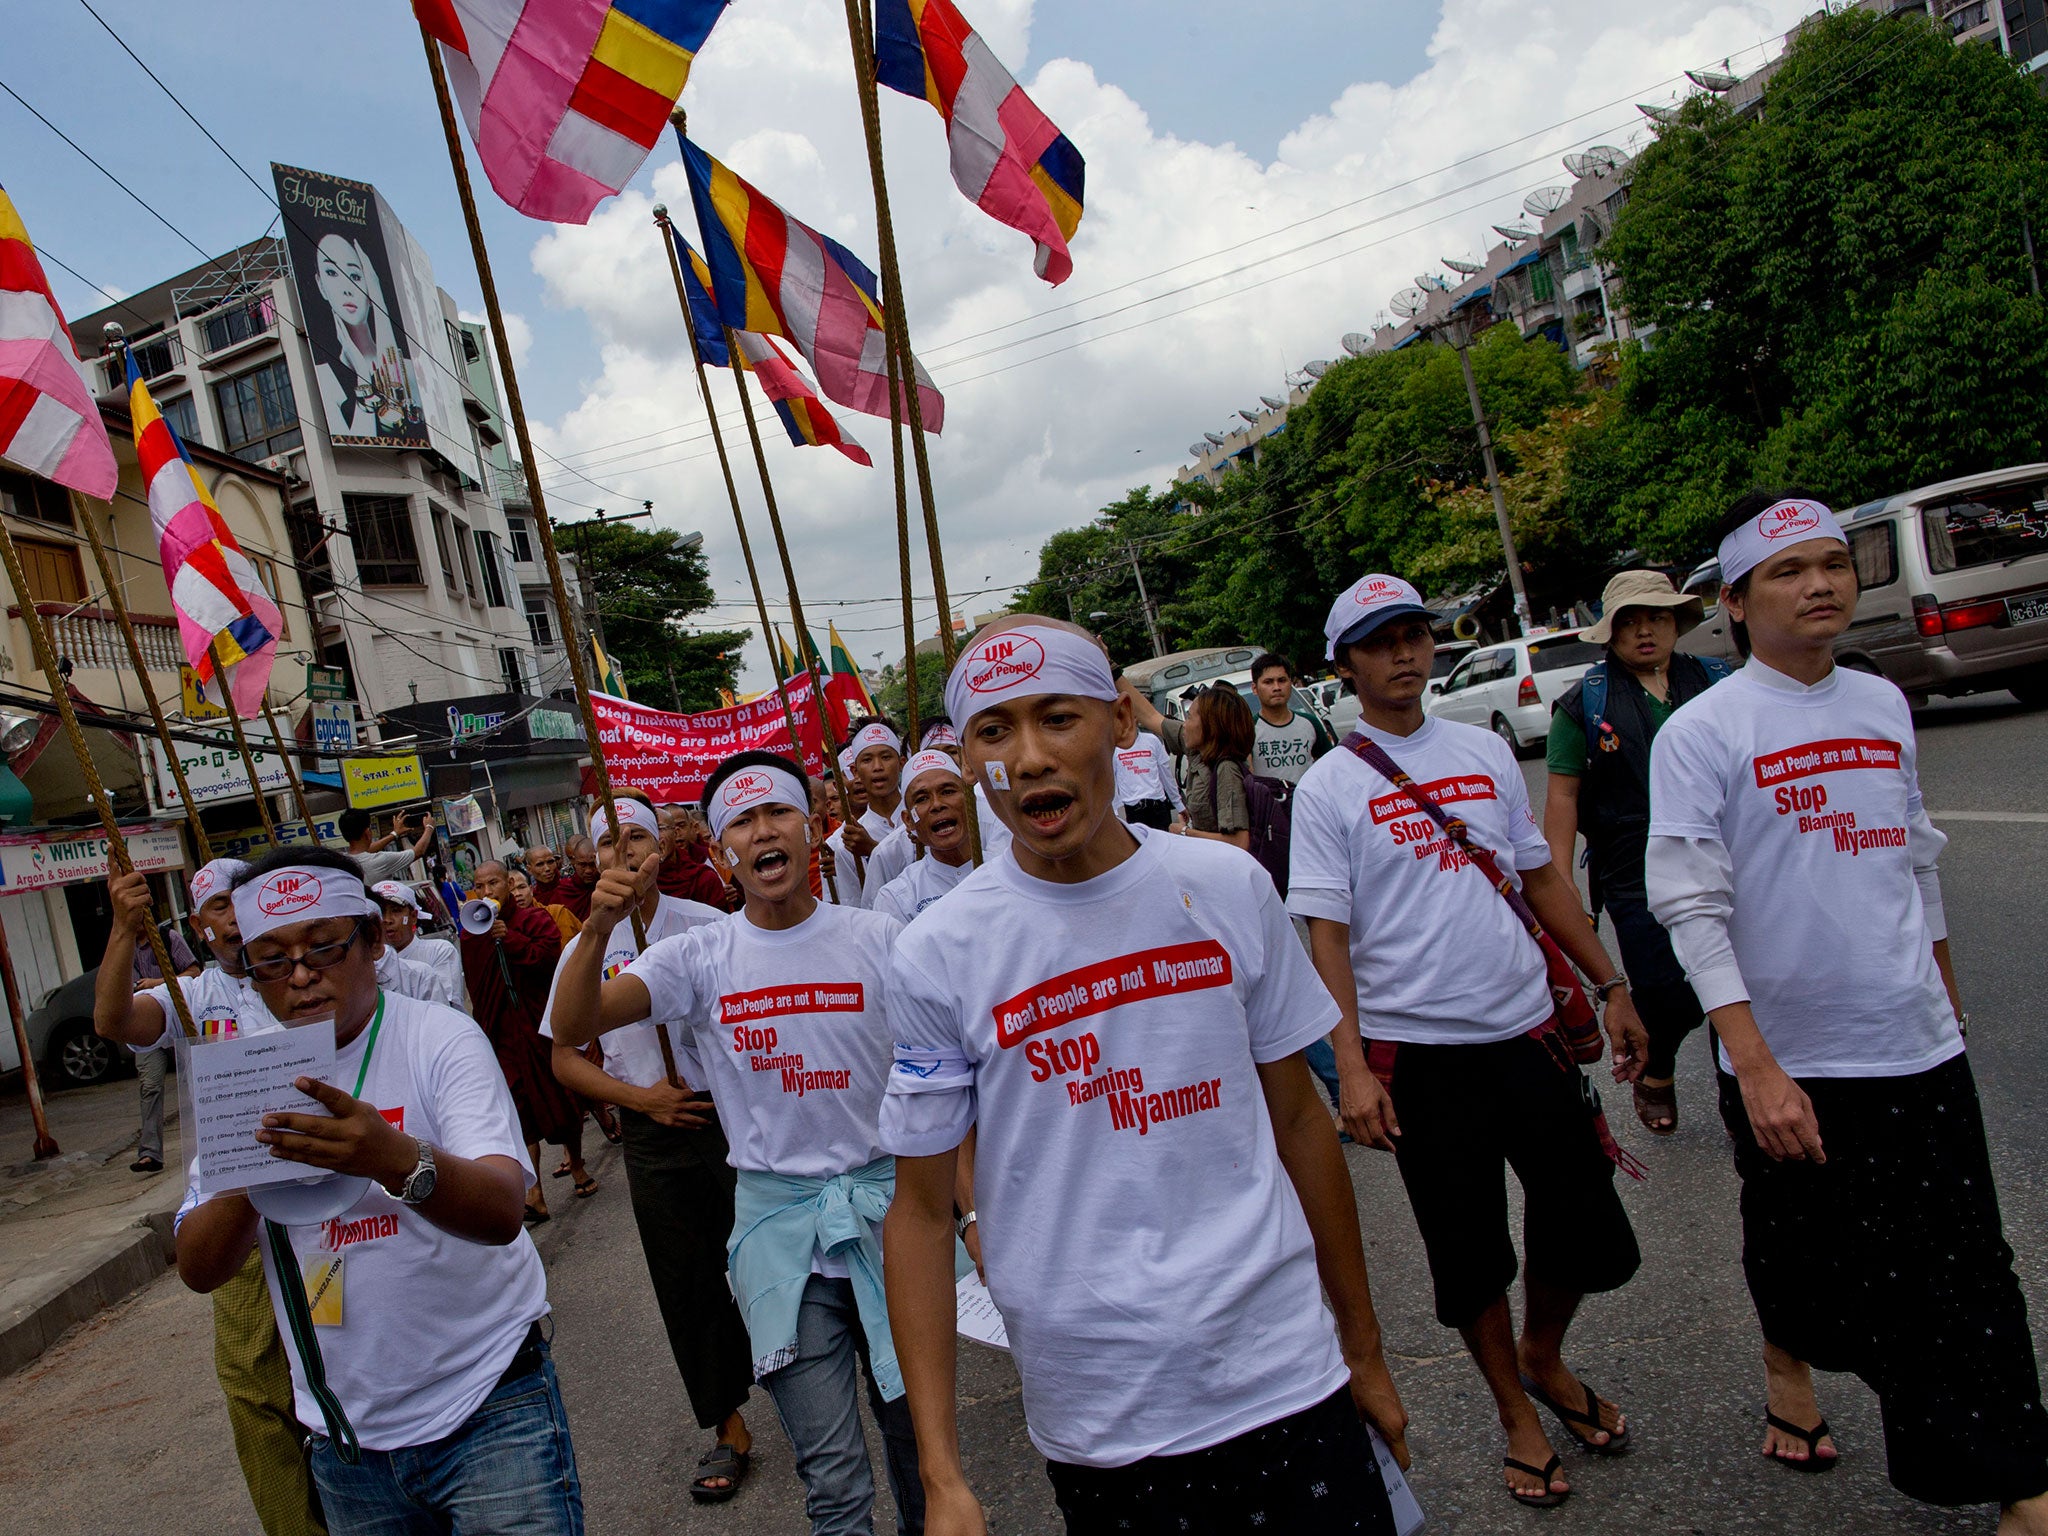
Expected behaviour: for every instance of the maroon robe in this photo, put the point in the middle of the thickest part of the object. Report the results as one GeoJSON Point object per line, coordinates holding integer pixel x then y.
{"type": "Point", "coordinates": [688, 874]}
{"type": "Point", "coordinates": [565, 891]}
{"type": "Point", "coordinates": [511, 1018]}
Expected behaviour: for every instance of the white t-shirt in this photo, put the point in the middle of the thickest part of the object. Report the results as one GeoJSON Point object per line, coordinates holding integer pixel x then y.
{"type": "Point", "coordinates": [1150, 1258]}
{"type": "Point", "coordinates": [893, 854]}
{"type": "Point", "coordinates": [441, 957]}
{"type": "Point", "coordinates": [995, 837]}
{"type": "Point", "coordinates": [918, 887]}
{"type": "Point", "coordinates": [1286, 751]}
{"type": "Point", "coordinates": [1440, 958]}
{"type": "Point", "coordinates": [391, 864]}
{"type": "Point", "coordinates": [401, 974]}
{"type": "Point", "coordinates": [214, 997]}
{"type": "Point", "coordinates": [786, 1031]}
{"type": "Point", "coordinates": [1815, 794]}
{"type": "Point", "coordinates": [632, 1054]}
{"type": "Point", "coordinates": [429, 1320]}
{"type": "Point", "coordinates": [1143, 772]}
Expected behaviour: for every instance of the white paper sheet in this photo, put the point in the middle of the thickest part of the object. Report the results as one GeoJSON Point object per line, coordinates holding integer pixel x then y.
{"type": "Point", "coordinates": [1407, 1512]}
{"type": "Point", "coordinates": [234, 1084]}
{"type": "Point", "coordinates": [976, 1309]}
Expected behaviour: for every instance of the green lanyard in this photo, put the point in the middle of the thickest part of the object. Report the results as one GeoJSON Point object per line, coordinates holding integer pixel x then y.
{"type": "Point", "coordinates": [376, 1023]}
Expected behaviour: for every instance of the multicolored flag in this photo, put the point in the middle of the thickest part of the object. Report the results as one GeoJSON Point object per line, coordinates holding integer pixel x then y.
{"type": "Point", "coordinates": [564, 98]}
{"type": "Point", "coordinates": [785, 659]}
{"type": "Point", "coordinates": [608, 679]}
{"type": "Point", "coordinates": [1008, 158]}
{"type": "Point", "coordinates": [772, 274]}
{"type": "Point", "coordinates": [804, 416]}
{"type": "Point", "coordinates": [223, 611]}
{"type": "Point", "coordinates": [49, 424]}
{"type": "Point", "coordinates": [843, 665]}
{"type": "Point", "coordinates": [710, 330]}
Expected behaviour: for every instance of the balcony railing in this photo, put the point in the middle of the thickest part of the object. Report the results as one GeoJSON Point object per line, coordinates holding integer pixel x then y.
{"type": "Point", "coordinates": [91, 637]}
{"type": "Point", "coordinates": [154, 357]}
{"type": "Point", "coordinates": [238, 323]}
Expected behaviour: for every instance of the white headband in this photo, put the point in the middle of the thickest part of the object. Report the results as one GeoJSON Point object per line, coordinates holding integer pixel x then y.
{"type": "Point", "coordinates": [214, 879]}
{"type": "Point", "coordinates": [940, 734]}
{"type": "Point", "coordinates": [876, 735]}
{"type": "Point", "coordinates": [299, 893]}
{"type": "Point", "coordinates": [846, 757]}
{"type": "Point", "coordinates": [1779, 526]}
{"type": "Point", "coordinates": [757, 784]}
{"type": "Point", "coordinates": [631, 814]}
{"type": "Point", "coordinates": [391, 890]}
{"type": "Point", "coordinates": [926, 762]}
{"type": "Point", "coordinates": [1022, 663]}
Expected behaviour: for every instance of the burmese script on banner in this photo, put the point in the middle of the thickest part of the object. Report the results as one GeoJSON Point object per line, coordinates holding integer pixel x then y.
{"type": "Point", "coordinates": [669, 756]}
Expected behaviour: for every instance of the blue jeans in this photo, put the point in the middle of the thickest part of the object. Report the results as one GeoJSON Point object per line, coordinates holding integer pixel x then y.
{"type": "Point", "coordinates": [1321, 1057]}
{"type": "Point", "coordinates": [815, 1397]}
{"type": "Point", "coordinates": [509, 1470]}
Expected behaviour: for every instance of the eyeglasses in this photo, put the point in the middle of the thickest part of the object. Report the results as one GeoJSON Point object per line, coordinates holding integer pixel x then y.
{"type": "Point", "coordinates": [321, 957]}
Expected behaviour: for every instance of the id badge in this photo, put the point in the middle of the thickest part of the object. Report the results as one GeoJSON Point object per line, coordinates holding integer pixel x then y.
{"type": "Point", "coordinates": [320, 1272]}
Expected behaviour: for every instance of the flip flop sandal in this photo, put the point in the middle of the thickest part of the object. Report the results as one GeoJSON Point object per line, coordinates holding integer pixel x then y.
{"type": "Point", "coordinates": [586, 1189]}
{"type": "Point", "coordinates": [608, 1125]}
{"type": "Point", "coordinates": [721, 1461]}
{"type": "Point", "coordinates": [1549, 1498]}
{"type": "Point", "coordinates": [561, 1172]}
{"type": "Point", "coordinates": [1657, 1104]}
{"type": "Point", "coordinates": [1617, 1443]}
{"type": "Point", "coordinates": [534, 1218]}
{"type": "Point", "coordinates": [1815, 1462]}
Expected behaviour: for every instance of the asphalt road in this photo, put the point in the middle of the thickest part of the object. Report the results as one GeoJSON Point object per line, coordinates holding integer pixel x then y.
{"type": "Point", "coordinates": [121, 1426]}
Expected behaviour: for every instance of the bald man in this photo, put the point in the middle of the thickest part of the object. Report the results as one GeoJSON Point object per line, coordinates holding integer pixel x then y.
{"type": "Point", "coordinates": [581, 878]}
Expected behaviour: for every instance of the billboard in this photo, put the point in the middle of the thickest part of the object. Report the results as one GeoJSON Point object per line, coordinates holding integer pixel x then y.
{"type": "Point", "coordinates": [382, 360]}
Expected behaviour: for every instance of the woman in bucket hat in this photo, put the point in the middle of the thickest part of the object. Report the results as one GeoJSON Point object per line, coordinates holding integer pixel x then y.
{"type": "Point", "coordinates": [1599, 761]}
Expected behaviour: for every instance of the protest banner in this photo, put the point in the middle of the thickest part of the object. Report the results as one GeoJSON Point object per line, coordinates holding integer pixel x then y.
{"type": "Point", "coordinates": [670, 756]}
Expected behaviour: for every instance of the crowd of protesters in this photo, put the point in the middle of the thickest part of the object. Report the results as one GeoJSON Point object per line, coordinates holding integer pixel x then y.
{"type": "Point", "coordinates": [1017, 998]}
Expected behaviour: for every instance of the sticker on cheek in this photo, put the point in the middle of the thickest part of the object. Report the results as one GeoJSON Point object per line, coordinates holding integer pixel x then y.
{"type": "Point", "coordinates": [998, 775]}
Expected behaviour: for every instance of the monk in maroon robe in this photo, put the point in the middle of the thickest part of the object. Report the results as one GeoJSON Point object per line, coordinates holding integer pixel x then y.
{"type": "Point", "coordinates": [686, 870]}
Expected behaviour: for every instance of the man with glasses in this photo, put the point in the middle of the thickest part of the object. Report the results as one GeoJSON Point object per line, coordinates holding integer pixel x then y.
{"type": "Point", "coordinates": [426, 1384]}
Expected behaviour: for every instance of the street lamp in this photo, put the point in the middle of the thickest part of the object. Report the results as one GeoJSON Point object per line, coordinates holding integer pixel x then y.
{"type": "Point", "coordinates": [1457, 328]}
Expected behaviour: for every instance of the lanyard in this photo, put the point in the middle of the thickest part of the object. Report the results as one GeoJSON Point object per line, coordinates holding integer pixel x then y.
{"type": "Point", "coordinates": [369, 1045]}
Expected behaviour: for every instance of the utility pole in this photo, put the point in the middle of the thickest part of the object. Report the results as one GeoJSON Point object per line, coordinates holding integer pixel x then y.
{"type": "Point", "coordinates": [1457, 330]}
{"type": "Point", "coordinates": [1144, 602]}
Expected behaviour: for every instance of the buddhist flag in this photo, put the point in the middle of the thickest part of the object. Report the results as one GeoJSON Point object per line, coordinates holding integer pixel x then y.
{"type": "Point", "coordinates": [49, 424]}
{"type": "Point", "coordinates": [776, 276]}
{"type": "Point", "coordinates": [803, 415]}
{"type": "Point", "coordinates": [221, 606]}
{"type": "Point", "coordinates": [704, 321]}
{"type": "Point", "coordinates": [564, 98]}
{"type": "Point", "coordinates": [1008, 158]}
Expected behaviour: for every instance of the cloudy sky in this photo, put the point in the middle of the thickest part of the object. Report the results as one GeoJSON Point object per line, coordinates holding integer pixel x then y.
{"type": "Point", "coordinates": [1260, 180]}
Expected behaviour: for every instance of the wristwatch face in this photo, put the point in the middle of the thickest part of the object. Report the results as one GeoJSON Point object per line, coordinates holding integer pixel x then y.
{"type": "Point", "coordinates": [420, 1186]}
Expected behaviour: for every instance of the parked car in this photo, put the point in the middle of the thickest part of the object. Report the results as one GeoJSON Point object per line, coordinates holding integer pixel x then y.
{"type": "Point", "coordinates": [1511, 688]}
{"type": "Point", "coordinates": [1955, 588]}
{"type": "Point", "coordinates": [62, 1042]}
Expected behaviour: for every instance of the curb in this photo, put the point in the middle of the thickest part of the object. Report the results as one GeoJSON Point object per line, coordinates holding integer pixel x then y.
{"type": "Point", "coordinates": [102, 1273]}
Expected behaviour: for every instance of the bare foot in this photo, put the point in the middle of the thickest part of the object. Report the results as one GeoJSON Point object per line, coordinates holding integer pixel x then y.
{"type": "Point", "coordinates": [1790, 1396]}
{"type": "Point", "coordinates": [1566, 1388]}
{"type": "Point", "coordinates": [1527, 1444]}
{"type": "Point", "coordinates": [2029, 1517]}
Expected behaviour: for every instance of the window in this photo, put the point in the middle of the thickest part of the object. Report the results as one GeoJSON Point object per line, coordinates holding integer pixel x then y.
{"type": "Point", "coordinates": [514, 672]}
{"type": "Point", "coordinates": [1994, 526]}
{"type": "Point", "coordinates": [266, 572]}
{"type": "Point", "coordinates": [1542, 285]}
{"type": "Point", "coordinates": [259, 415]}
{"type": "Point", "coordinates": [491, 558]}
{"type": "Point", "coordinates": [225, 327]}
{"type": "Point", "coordinates": [1565, 651]}
{"type": "Point", "coordinates": [462, 554]}
{"type": "Point", "coordinates": [53, 571]}
{"type": "Point", "coordinates": [522, 541]}
{"type": "Point", "coordinates": [387, 553]}
{"type": "Point", "coordinates": [36, 500]}
{"type": "Point", "coordinates": [540, 620]}
{"type": "Point", "coordinates": [308, 533]}
{"type": "Point", "coordinates": [1471, 670]}
{"type": "Point", "coordinates": [441, 544]}
{"type": "Point", "coordinates": [1876, 552]}
{"type": "Point", "coordinates": [183, 416]}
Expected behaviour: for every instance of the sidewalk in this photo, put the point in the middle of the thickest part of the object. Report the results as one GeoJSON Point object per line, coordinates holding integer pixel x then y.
{"type": "Point", "coordinates": [78, 1232]}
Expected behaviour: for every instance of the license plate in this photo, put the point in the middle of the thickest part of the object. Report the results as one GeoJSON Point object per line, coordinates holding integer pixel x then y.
{"type": "Point", "coordinates": [2027, 609]}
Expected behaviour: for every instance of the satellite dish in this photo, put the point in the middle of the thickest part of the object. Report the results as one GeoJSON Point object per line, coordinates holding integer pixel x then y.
{"type": "Point", "coordinates": [1514, 234]}
{"type": "Point", "coordinates": [1545, 201]}
{"type": "Point", "coordinates": [1713, 80]}
{"type": "Point", "coordinates": [1316, 369]}
{"type": "Point", "coordinates": [1656, 114]}
{"type": "Point", "coordinates": [1464, 268]}
{"type": "Point", "coordinates": [1250, 416]}
{"type": "Point", "coordinates": [1581, 165]}
{"type": "Point", "coordinates": [1214, 439]}
{"type": "Point", "coordinates": [1606, 157]}
{"type": "Point", "coordinates": [1436, 281]}
{"type": "Point", "coordinates": [1356, 344]}
{"type": "Point", "coordinates": [1198, 449]}
{"type": "Point", "coordinates": [1273, 402]}
{"type": "Point", "coordinates": [1408, 303]}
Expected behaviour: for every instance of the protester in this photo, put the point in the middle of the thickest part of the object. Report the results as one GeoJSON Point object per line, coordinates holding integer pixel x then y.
{"type": "Point", "coordinates": [876, 760]}
{"type": "Point", "coordinates": [1468, 1074]}
{"type": "Point", "coordinates": [407, 975]}
{"type": "Point", "coordinates": [356, 829]}
{"type": "Point", "coordinates": [575, 888]}
{"type": "Point", "coordinates": [784, 1002]}
{"type": "Point", "coordinates": [544, 869]}
{"type": "Point", "coordinates": [510, 968]}
{"type": "Point", "coordinates": [850, 868]}
{"type": "Point", "coordinates": [1284, 741]}
{"type": "Point", "coordinates": [1216, 741]}
{"type": "Point", "coordinates": [1145, 785]}
{"type": "Point", "coordinates": [1599, 762]}
{"type": "Point", "coordinates": [687, 871]}
{"type": "Point", "coordinates": [565, 921]}
{"type": "Point", "coordinates": [401, 933]}
{"type": "Point", "coordinates": [1119, 1017]}
{"type": "Point", "coordinates": [676, 1170]}
{"type": "Point", "coordinates": [152, 1062]}
{"type": "Point", "coordinates": [248, 1359]}
{"type": "Point", "coordinates": [896, 851]}
{"type": "Point", "coordinates": [426, 1387]}
{"type": "Point", "coordinates": [1794, 864]}
{"type": "Point", "coordinates": [935, 809]}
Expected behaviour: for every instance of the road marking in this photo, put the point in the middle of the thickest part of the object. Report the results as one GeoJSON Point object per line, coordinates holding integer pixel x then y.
{"type": "Point", "coordinates": [2019, 816]}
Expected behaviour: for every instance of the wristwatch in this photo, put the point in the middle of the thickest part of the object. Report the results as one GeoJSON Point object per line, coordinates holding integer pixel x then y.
{"type": "Point", "coordinates": [1616, 980]}
{"type": "Point", "coordinates": [418, 1187]}
{"type": "Point", "coordinates": [960, 1227]}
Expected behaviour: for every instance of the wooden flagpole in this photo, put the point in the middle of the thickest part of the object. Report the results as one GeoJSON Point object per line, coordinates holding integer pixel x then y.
{"type": "Point", "coordinates": [739, 522]}
{"type": "Point", "coordinates": [494, 312]}
{"type": "Point", "coordinates": [220, 676]}
{"type": "Point", "coordinates": [291, 768]}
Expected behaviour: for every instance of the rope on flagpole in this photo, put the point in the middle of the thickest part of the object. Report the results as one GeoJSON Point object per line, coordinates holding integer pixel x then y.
{"type": "Point", "coordinates": [739, 522]}
{"type": "Point", "coordinates": [494, 312]}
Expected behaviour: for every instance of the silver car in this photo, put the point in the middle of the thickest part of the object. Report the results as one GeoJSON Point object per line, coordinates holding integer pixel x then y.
{"type": "Point", "coordinates": [1511, 688]}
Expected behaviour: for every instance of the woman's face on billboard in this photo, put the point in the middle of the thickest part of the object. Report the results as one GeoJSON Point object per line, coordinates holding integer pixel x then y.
{"type": "Point", "coordinates": [342, 282]}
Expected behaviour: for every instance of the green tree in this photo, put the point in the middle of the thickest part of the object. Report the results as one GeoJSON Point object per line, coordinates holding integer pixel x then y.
{"type": "Point", "coordinates": [646, 585]}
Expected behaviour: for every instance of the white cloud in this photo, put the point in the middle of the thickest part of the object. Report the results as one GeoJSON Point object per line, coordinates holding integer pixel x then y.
{"type": "Point", "coordinates": [1034, 446]}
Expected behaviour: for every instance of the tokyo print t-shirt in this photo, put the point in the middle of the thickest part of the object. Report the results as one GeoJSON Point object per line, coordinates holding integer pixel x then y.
{"type": "Point", "coordinates": [1141, 1238]}
{"type": "Point", "coordinates": [632, 1053]}
{"type": "Point", "coordinates": [1283, 751]}
{"type": "Point", "coordinates": [1440, 958]}
{"type": "Point", "coordinates": [787, 1032]}
{"type": "Point", "coordinates": [1815, 792]}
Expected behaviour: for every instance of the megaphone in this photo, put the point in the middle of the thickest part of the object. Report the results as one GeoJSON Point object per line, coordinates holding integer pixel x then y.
{"type": "Point", "coordinates": [479, 915]}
